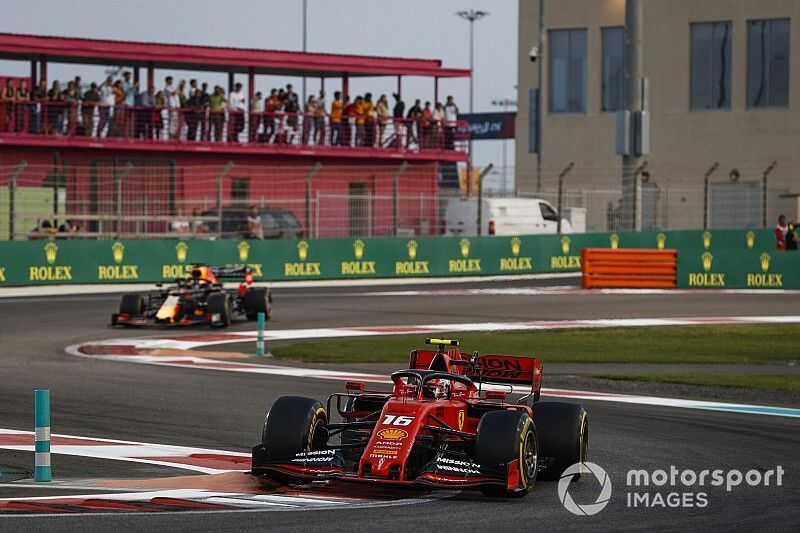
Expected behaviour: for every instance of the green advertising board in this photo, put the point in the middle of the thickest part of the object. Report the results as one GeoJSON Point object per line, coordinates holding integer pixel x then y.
{"type": "Point", "coordinates": [57, 261]}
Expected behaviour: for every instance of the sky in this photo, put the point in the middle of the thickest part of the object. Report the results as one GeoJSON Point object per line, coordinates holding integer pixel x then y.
{"type": "Point", "coordinates": [402, 28]}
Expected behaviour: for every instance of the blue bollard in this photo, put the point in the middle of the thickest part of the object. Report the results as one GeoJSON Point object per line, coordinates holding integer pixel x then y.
{"type": "Point", "coordinates": [260, 341]}
{"type": "Point", "coordinates": [42, 470]}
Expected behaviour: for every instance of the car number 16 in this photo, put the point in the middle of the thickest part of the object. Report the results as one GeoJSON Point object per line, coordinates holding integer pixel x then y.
{"type": "Point", "coordinates": [394, 420]}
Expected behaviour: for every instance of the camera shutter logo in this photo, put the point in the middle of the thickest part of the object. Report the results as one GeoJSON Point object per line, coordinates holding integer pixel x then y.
{"type": "Point", "coordinates": [587, 509]}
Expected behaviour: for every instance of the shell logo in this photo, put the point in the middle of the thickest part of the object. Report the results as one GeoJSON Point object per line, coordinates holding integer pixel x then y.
{"type": "Point", "coordinates": [764, 258]}
{"type": "Point", "coordinates": [302, 250]}
{"type": "Point", "coordinates": [614, 241]}
{"type": "Point", "coordinates": [181, 251]}
{"type": "Point", "coordinates": [516, 245]}
{"type": "Point", "coordinates": [392, 434]}
{"type": "Point", "coordinates": [118, 251]}
{"type": "Point", "coordinates": [707, 259]}
{"type": "Point", "coordinates": [706, 240]}
{"type": "Point", "coordinates": [244, 250]}
{"type": "Point", "coordinates": [412, 249]}
{"type": "Point", "coordinates": [661, 241]}
{"type": "Point", "coordinates": [51, 252]}
{"type": "Point", "coordinates": [463, 245]}
{"type": "Point", "coordinates": [358, 248]}
{"type": "Point", "coordinates": [565, 241]}
{"type": "Point", "coordinates": [750, 238]}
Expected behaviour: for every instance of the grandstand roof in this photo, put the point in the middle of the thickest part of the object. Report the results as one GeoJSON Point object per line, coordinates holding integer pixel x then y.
{"type": "Point", "coordinates": [212, 58]}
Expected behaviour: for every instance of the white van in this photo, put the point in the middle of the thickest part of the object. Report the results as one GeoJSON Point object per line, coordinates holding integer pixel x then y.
{"type": "Point", "coordinates": [503, 216]}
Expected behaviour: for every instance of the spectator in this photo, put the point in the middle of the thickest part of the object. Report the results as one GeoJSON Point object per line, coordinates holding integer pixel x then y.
{"type": "Point", "coordinates": [129, 88]}
{"type": "Point", "coordinates": [319, 120]}
{"type": "Point", "coordinates": [369, 120]}
{"type": "Point", "coordinates": [291, 107]}
{"type": "Point", "coordinates": [414, 115]}
{"type": "Point", "coordinates": [106, 103]}
{"type": "Point", "coordinates": [382, 111]}
{"type": "Point", "coordinates": [781, 229]}
{"type": "Point", "coordinates": [256, 116]}
{"type": "Point", "coordinates": [205, 103]}
{"type": "Point", "coordinates": [308, 119]}
{"type": "Point", "coordinates": [193, 114]}
{"type": "Point", "coordinates": [145, 103]}
{"type": "Point", "coordinates": [199, 227]}
{"type": "Point", "coordinates": [255, 229]}
{"type": "Point", "coordinates": [56, 99]}
{"type": "Point", "coordinates": [159, 112]}
{"type": "Point", "coordinates": [218, 103]}
{"type": "Point", "coordinates": [236, 104]}
{"type": "Point", "coordinates": [398, 112]}
{"type": "Point", "coordinates": [437, 120]}
{"type": "Point", "coordinates": [117, 128]}
{"type": "Point", "coordinates": [39, 97]}
{"type": "Point", "coordinates": [23, 98]}
{"type": "Point", "coordinates": [348, 114]}
{"type": "Point", "coordinates": [70, 225]}
{"type": "Point", "coordinates": [73, 97]}
{"type": "Point", "coordinates": [791, 236]}
{"type": "Point", "coordinates": [272, 106]}
{"type": "Point", "coordinates": [425, 122]}
{"type": "Point", "coordinates": [173, 104]}
{"type": "Point", "coordinates": [90, 99]}
{"type": "Point", "coordinates": [337, 107]}
{"type": "Point", "coordinates": [359, 111]}
{"type": "Point", "coordinates": [7, 97]}
{"type": "Point", "coordinates": [450, 122]}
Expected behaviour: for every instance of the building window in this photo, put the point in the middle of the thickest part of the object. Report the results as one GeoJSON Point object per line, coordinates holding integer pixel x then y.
{"type": "Point", "coordinates": [768, 63]}
{"type": "Point", "coordinates": [711, 65]}
{"type": "Point", "coordinates": [612, 73]}
{"type": "Point", "coordinates": [568, 71]}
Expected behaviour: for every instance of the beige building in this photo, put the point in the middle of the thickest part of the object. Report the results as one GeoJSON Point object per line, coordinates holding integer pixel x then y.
{"type": "Point", "coordinates": [723, 101]}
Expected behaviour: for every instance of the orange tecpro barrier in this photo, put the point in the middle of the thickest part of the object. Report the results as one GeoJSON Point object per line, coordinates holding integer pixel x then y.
{"type": "Point", "coordinates": [629, 268]}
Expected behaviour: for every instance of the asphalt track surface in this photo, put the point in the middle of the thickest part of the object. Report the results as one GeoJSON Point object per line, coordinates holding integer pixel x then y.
{"type": "Point", "coordinates": [225, 411]}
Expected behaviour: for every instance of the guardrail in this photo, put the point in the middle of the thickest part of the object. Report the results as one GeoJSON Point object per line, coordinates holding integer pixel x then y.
{"type": "Point", "coordinates": [719, 259]}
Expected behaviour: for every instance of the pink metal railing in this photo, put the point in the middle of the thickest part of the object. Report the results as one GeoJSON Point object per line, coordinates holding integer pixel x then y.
{"type": "Point", "coordinates": [187, 125]}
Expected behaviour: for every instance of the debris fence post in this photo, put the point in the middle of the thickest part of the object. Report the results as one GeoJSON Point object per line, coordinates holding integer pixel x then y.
{"type": "Point", "coordinates": [42, 470]}
{"type": "Point", "coordinates": [260, 340]}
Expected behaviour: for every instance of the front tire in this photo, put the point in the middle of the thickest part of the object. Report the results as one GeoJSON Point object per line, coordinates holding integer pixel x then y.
{"type": "Point", "coordinates": [219, 303]}
{"type": "Point", "coordinates": [131, 304]}
{"type": "Point", "coordinates": [563, 436]}
{"type": "Point", "coordinates": [258, 300]}
{"type": "Point", "coordinates": [293, 425]}
{"type": "Point", "coordinates": [505, 436]}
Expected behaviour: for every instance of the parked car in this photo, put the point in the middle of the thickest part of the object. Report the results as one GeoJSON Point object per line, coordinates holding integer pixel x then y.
{"type": "Point", "coordinates": [503, 216]}
{"type": "Point", "coordinates": [277, 223]}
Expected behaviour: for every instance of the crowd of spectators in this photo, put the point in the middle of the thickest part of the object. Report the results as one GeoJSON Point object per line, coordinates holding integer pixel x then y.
{"type": "Point", "coordinates": [193, 112]}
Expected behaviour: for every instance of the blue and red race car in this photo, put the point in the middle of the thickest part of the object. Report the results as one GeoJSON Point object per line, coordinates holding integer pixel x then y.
{"type": "Point", "coordinates": [447, 423]}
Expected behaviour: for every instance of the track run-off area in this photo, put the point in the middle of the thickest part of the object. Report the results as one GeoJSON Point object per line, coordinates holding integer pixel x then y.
{"type": "Point", "coordinates": [205, 410]}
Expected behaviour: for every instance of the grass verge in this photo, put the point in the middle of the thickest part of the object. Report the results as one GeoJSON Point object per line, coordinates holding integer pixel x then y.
{"type": "Point", "coordinates": [729, 344]}
{"type": "Point", "coordinates": [770, 382]}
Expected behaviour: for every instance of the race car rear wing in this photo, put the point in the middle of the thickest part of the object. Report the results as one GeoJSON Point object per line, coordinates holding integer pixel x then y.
{"type": "Point", "coordinates": [505, 369]}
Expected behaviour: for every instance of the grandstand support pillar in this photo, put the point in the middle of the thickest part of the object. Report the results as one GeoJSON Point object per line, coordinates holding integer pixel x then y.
{"type": "Point", "coordinates": [309, 175]}
{"type": "Point", "coordinates": [251, 84]}
{"type": "Point", "coordinates": [136, 74]}
{"type": "Point", "coordinates": [396, 195]}
{"type": "Point", "coordinates": [322, 84]}
{"type": "Point", "coordinates": [118, 177]}
{"type": "Point", "coordinates": [400, 86]}
{"type": "Point", "coordinates": [230, 82]}
{"type": "Point", "coordinates": [482, 175]}
{"type": "Point", "coordinates": [12, 193]}
{"type": "Point", "coordinates": [435, 90]}
{"type": "Point", "coordinates": [764, 177]}
{"type": "Point", "coordinates": [43, 68]}
{"type": "Point", "coordinates": [151, 82]}
{"type": "Point", "coordinates": [220, 182]}
{"type": "Point", "coordinates": [34, 81]}
{"type": "Point", "coordinates": [345, 85]}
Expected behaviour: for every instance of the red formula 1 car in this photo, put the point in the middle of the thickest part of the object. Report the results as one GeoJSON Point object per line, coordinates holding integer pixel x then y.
{"type": "Point", "coordinates": [197, 299]}
{"type": "Point", "coordinates": [445, 424]}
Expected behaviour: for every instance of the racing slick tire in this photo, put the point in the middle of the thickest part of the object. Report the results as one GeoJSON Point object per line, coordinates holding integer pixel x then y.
{"type": "Point", "coordinates": [258, 300]}
{"type": "Point", "coordinates": [505, 436]}
{"type": "Point", "coordinates": [220, 303]}
{"type": "Point", "coordinates": [563, 436]}
{"type": "Point", "coordinates": [293, 425]}
{"type": "Point", "coordinates": [131, 304]}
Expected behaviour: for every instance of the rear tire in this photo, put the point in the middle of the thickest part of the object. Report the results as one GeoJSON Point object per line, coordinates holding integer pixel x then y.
{"type": "Point", "coordinates": [563, 436]}
{"type": "Point", "coordinates": [294, 424]}
{"type": "Point", "coordinates": [505, 436]}
{"type": "Point", "coordinates": [258, 300]}
{"type": "Point", "coordinates": [131, 304]}
{"type": "Point", "coordinates": [220, 303]}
